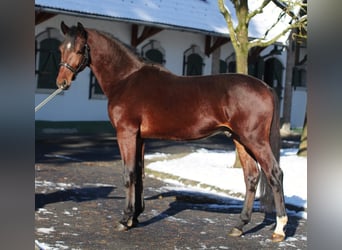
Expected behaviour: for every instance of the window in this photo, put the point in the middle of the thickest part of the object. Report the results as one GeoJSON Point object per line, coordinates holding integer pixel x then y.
{"type": "Point", "coordinates": [223, 67]}
{"type": "Point", "coordinates": [95, 91]}
{"type": "Point", "coordinates": [255, 68]}
{"type": "Point", "coordinates": [298, 77]}
{"type": "Point", "coordinates": [47, 59]}
{"type": "Point", "coordinates": [153, 52]}
{"type": "Point", "coordinates": [231, 63]}
{"type": "Point", "coordinates": [299, 70]}
{"type": "Point", "coordinates": [273, 75]}
{"type": "Point", "coordinates": [193, 61]}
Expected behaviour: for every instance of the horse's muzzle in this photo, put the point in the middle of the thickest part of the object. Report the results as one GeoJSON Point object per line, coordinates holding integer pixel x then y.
{"type": "Point", "coordinates": [63, 85]}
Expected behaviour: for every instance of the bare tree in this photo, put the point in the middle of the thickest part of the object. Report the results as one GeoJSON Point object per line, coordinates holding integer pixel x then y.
{"type": "Point", "coordinates": [239, 34]}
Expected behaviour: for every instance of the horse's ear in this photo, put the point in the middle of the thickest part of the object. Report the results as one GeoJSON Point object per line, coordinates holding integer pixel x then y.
{"type": "Point", "coordinates": [81, 29]}
{"type": "Point", "coordinates": [80, 26]}
{"type": "Point", "coordinates": [65, 29]}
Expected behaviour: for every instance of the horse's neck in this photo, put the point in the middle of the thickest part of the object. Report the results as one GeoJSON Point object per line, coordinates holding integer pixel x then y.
{"type": "Point", "coordinates": [110, 62]}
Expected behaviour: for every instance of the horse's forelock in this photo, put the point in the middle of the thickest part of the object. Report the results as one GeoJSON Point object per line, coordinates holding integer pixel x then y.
{"type": "Point", "coordinates": [73, 31]}
{"type": "Point", "coordinates": [70, 37]}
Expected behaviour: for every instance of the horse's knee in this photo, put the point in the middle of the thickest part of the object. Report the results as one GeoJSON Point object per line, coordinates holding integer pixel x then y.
{"type": "Point", "coordinates": [128, 177]}
{"type": "Point", "coordinates": [276, 179]}
{"type": "Point", "coordinates": [278, 173]}
{"type": "Point", "coordinates": [252, 181]}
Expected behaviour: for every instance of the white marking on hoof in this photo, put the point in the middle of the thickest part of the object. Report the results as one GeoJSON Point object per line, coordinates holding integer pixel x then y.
{"type": "Point", "coordinates": [281, 223]}
{"type": "Point", "coordinates": [235, 232]}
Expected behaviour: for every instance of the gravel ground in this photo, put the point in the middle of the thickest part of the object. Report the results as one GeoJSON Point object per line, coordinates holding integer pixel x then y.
{"type": "Point", "coordinates": [79, 196]}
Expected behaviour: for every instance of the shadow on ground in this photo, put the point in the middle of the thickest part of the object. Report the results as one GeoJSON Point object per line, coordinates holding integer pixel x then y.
{"type": "Point", "coordinates": [76, 195]}
{"type": "Point", "coordinates": [185, 200]}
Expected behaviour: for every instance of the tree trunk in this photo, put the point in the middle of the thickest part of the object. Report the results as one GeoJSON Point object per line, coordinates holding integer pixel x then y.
{"type": "Point", "coordinates": [241, 55]}
{"type": "Point", "coordinates": [242, 61]}
{"type": "Point", "coordinates": [303, 146]}
{"type": "Point", "coordinates": [241, 67]}
{"type": "Point", "coordinates": [286, 126]}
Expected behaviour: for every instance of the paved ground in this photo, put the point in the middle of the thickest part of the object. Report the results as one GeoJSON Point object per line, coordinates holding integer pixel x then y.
{"type": "Point", "coordinates": [79, 196]}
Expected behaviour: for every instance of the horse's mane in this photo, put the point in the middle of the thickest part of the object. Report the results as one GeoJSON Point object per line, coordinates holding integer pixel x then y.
{"type": "Point", "coordinates": [126, 47]}
{"type": "Point", "coordinates": [130, 50]}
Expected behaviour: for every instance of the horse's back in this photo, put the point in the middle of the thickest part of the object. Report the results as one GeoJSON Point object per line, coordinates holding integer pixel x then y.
{"type": "Point", "coordinates": [211, 90]}
{"type": "Point", "coordinates": [151, 78]}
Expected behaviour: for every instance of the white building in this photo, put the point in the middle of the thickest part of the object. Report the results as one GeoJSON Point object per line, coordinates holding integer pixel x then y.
{"type": "Point", "coordinates": [165, 31]}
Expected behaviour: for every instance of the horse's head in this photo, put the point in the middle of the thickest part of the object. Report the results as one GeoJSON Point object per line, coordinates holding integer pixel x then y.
{"type": "Point", "coordinates": [74, 54]}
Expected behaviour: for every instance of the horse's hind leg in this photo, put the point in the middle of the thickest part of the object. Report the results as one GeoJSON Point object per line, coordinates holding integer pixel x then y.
{"type": "Point", "coordinates": [251, 176]}
{"type": "Point", "coordinates": [140, 174]}
{"type": "Point", "coordinates": [131, 149]}
{"type": "Point", "coordinates": [274, 176]}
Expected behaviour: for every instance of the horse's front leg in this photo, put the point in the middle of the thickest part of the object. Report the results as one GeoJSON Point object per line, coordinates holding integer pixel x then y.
{"type": "Point", "coordinates": [251, 176]}
{"type": "Point", "coordinates": [131, 149]}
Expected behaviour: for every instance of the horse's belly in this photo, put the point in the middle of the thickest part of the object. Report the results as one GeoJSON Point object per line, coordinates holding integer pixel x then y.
{"type": "Point", "coordinates": [177, 129]}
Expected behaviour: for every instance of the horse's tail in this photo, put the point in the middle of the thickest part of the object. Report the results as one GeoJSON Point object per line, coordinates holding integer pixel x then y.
{"type": "Point", "coordinates": [266, 194]}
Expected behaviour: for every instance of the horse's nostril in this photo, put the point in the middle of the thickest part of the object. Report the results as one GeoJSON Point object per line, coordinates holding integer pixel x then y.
{"type": "Point", "coordinates": [63, 85]}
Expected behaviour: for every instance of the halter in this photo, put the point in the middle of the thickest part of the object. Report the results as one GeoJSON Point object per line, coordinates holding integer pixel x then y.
{"type": "Point", "coordinates": [84, 62]}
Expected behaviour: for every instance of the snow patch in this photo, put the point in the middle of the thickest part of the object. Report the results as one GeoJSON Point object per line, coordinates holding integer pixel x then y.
{"type": "Point", "coordinates": [46, 230]}
{"type": "Point", "coordinates": [212, 171]}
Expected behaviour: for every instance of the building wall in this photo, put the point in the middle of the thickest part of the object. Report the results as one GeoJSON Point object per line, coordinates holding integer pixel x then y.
{"type": "Point", "coordinates": [74, 104]}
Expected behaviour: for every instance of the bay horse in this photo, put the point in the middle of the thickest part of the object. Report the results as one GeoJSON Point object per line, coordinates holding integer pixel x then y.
{"type": "Point", "coordinates": [148, 101]}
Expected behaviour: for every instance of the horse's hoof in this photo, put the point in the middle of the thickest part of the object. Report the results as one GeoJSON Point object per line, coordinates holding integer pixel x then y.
{"type": "Point", "coordinates": [132, 223]}
{"type": "Point", "coordinates": [235, 232]}
{"type": "Point", "coordinates": [277, 237]}
{"type": "Point", "coordinates": [121, 227]}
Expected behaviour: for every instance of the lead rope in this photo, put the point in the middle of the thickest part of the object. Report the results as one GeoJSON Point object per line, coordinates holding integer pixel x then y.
{"type": "Point", "coordinates": [47, 99]}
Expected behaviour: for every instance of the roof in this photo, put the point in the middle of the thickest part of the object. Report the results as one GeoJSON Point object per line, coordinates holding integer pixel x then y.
{"type": "Point", "coordinates": [193, 15]}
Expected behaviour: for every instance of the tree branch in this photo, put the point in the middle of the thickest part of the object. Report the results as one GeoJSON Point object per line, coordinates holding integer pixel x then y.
{"type": "Point", "coordinates": [258, 10]}
{"type": "Point", "coordinates": [227, 16]}
{"type": "Point", "coordinates": [284, 7]}
{"type": "Point", "coordinates": [281, 15]}
{"type": "Point", "coordinates": [236, 4]}
{"type": "Point", "coordinates": [259, 42]}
